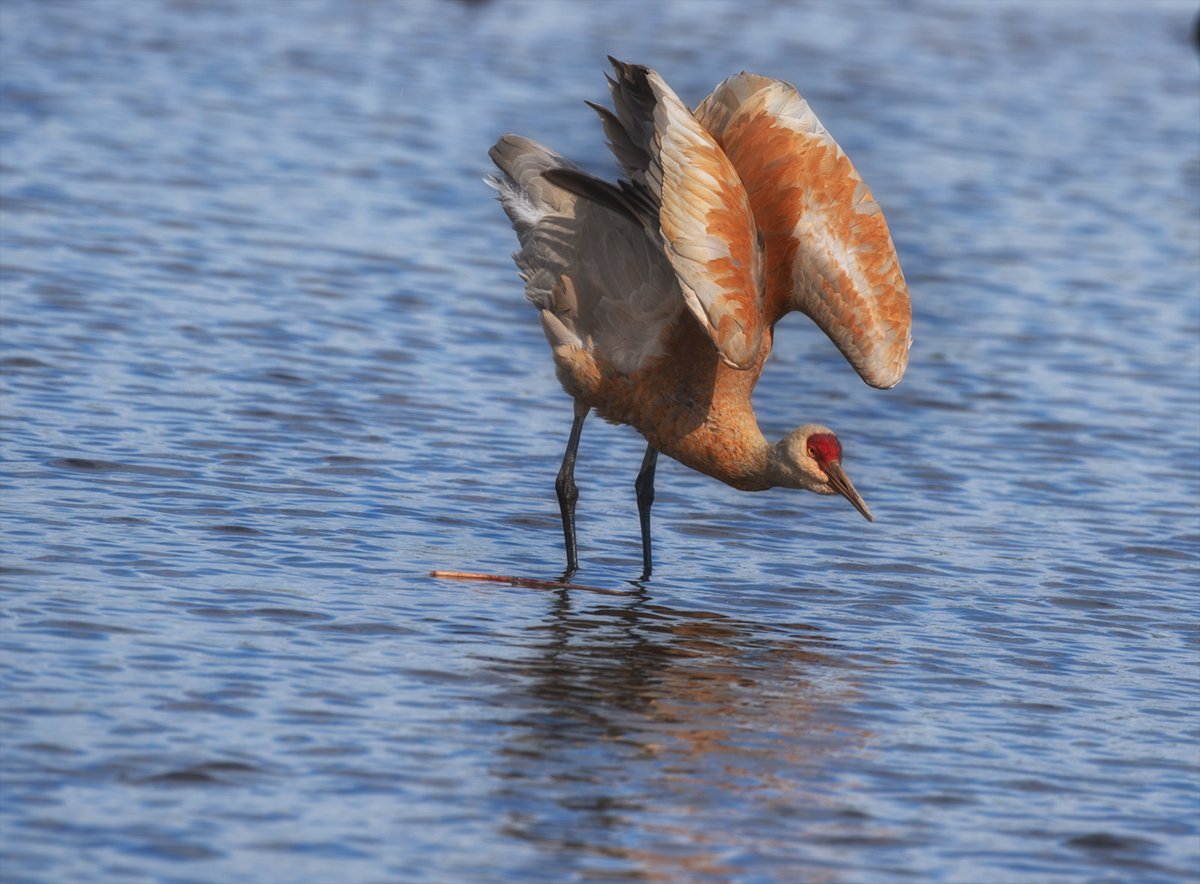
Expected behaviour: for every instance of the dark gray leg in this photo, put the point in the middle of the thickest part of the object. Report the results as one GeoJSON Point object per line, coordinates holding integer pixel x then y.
{"type": "Point", "coordinates": [567, 492]}
{"type": "Point", "coordinates": [645, 497]}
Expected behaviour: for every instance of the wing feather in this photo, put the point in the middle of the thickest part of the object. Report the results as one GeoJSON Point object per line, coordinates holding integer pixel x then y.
{"type": "Point", "coordinates": [829, 253]}
{"type": "Point", "coordinates": [606, 290]}
{"type": "Point", "coordinates": [703, 213]}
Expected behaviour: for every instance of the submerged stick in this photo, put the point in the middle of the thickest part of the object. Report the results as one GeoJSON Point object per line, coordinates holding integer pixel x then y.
{"type": "Point", "coordinates": [530, 582]}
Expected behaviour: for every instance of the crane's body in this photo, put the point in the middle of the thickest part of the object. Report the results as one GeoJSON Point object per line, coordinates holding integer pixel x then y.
{"type": "Point", "coordinates": [659, 295]}
{"type": "Point", "coordinates": [688, 404]}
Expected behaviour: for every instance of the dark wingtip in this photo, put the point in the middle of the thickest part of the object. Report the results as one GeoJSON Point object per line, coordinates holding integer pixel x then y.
{"type": "Point", "coordinates": [598, 108]}
{"type": "Point", "coordinates": [628, 72]}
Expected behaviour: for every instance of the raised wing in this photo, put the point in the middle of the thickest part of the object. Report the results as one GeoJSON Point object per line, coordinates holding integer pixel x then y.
{"type": "Point", "coordinates": [828, 250]}
{"type": "Point", "coordinates": [600, 279]}
{"type": "Point", "coordinates": [698, 205]}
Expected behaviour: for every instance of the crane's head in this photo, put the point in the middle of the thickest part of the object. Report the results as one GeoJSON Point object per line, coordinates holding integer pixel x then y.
{"type": "Point", "coordinates": [810, 457]}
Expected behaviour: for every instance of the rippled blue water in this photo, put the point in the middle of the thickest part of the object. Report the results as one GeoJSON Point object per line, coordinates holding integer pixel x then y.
{"type": "Point", "coordinates": [266, 364]}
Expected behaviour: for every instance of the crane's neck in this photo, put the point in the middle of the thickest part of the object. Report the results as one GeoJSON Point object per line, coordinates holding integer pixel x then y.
{"type": "Point", "coordinates": [739, 455]}
{"type": "Point", "coordinates": [731, 448]}
{"type": "Point", "coordinates": [720, 442]}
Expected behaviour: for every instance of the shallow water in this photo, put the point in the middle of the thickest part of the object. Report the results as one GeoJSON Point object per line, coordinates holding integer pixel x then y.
{"type": "Point", "coordinates": [266, 364]}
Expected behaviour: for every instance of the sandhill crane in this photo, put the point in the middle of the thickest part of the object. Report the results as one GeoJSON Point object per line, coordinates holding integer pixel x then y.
{"type": "Point", "coordinates": [659, 294]}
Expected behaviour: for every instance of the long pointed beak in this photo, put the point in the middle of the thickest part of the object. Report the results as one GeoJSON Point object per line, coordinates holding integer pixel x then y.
{"type": "Point", "coordinates": [840, 482]}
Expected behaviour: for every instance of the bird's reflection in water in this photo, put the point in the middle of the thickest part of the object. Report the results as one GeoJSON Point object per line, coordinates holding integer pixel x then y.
{"type": "Point", "coordinates": [637, 730]}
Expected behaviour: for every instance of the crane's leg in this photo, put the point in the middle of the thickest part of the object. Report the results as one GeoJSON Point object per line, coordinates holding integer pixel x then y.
{"type": "Point", "coordinates": [645, 497]}
{"type": "Point", "coordinates": [567, 492]}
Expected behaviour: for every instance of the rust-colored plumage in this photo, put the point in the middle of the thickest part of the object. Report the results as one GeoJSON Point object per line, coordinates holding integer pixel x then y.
{"type": "Point", "coordinates": [828, 250]}
{"type": "Point", "coordinates": [658, 295]}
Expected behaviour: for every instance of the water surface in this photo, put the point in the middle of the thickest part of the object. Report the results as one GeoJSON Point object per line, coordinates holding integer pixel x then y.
{"type": "Point", "coordinates": [266, 364]}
